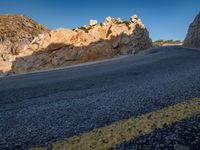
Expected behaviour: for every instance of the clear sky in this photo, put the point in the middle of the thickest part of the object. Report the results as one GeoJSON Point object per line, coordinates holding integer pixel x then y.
{"type": "Point", "coordinates": [165, 19]}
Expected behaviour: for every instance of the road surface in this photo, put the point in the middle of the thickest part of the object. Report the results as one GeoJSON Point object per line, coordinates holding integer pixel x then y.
{"type": "Point", "coordinates": [42, 109]}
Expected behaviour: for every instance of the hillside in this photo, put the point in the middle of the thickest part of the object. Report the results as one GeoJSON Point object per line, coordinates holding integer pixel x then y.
{"type": "Point", "coordinates": [193, 36]}
{"type": "Point", "coordinates": [18, 29]}
{"type": "Point", "coordinates": [16, 32]}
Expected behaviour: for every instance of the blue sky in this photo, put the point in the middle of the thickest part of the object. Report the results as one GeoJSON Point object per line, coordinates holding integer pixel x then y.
{"type": "Point", "coordinates": [165, 19]}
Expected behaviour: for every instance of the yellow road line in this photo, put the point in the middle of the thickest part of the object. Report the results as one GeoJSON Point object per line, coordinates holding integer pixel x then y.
{"type": "Point", "coordinates": [125, 130]}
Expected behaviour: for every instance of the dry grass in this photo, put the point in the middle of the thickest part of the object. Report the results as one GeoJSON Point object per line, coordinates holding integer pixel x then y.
{"type": "Point", "coordinates": [17, 27]}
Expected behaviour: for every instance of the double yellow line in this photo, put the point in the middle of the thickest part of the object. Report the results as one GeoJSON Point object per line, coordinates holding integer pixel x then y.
{"type": "Point", "coordinates": [126, 130]}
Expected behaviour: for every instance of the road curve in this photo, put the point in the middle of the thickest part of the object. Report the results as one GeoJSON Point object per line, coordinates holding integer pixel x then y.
{"type": "Point", "coordinates": [41, 108]}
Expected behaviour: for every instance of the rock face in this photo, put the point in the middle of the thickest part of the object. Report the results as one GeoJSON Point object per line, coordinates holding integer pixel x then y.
{"type": "Point", "coordinates": [64, 47]}
{"type": "Point", "coordinates": [16, 32]}
{"type": "Point", "coordinates": [193, 36]}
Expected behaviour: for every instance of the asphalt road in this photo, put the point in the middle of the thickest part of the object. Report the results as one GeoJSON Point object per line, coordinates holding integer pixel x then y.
{"type": "Point", "coordinates": [40, 108]}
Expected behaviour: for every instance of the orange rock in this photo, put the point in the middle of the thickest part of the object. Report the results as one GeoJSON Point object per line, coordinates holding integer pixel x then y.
{"type": "Point", "coordinates": [64, 47]}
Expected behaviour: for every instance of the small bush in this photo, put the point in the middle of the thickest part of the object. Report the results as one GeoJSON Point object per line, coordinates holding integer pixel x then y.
{"type": "Point", "coordinates": [162, 42]}
{"type": "Point", "coordinates": [85, 29]}
{"type": "Point", "coordinates": [109, 31]}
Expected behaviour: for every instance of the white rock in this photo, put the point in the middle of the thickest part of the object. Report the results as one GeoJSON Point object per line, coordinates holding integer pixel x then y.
{"type": "Point", "coordinates": [108, 19]}
{"type": "Point", "coordinates": [133, 18]}
{"type": "Point", "coordinates": [93, 22]}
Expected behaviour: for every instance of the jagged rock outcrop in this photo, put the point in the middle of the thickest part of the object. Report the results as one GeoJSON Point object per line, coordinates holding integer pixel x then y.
{"type": "Point", "coordinates": [64, 47]}
{"type": "Point", "coordinates": [16, 32]}
{"type": "Point", "coordinates": [193, 36]}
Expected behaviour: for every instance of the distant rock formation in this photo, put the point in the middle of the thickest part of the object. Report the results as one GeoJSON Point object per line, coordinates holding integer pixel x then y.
{"type": "Point", "coordinates": [64, 47]}
{"type": "Point", "coordinates": [193, 36]}
{"type": "Point", "coordinates": [16, 32]}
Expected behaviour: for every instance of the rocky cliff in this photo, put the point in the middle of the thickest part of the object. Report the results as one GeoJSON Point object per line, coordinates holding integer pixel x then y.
{"type": "Point", "coordinates": [193, 36]}
{"type": "Point", "coordinates": [64, 47]}
{"type": "Point", "coordinates": [16, 32]}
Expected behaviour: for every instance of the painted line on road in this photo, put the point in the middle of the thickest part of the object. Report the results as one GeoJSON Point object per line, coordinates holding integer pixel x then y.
{"type": "Point", "coordinates": [129, 129]}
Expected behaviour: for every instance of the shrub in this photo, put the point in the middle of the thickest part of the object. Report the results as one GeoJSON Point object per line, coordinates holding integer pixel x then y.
{"type": "Point", "coordinates": [109, 31]}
